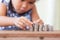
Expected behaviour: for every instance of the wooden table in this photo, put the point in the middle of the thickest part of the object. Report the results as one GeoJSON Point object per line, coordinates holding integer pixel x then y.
{"type": "Point", "coordinates": [29, 34]}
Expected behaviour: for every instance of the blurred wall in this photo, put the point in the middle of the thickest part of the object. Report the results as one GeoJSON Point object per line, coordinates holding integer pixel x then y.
{"type": "Point", "coordinates": [57, 15]}
{"type": "Point", "coordinates": [49, 11]}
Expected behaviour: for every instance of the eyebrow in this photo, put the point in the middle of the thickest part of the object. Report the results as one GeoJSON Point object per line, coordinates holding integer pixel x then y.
{"type": "Point", "coordinates": [32, 0]}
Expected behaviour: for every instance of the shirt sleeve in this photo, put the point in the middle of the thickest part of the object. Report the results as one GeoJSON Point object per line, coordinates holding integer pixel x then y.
{"type": "Point", "coordinates": [0, 1]}
{"type": "Point", "coordinates": [6, 2]}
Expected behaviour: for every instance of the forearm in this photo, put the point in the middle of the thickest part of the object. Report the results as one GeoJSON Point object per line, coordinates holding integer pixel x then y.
{"type": "Point", "coordinates": [6, 21]}
{"type": "Point", "coordinates": [35, 16]}
{"type": "Point", "coordinates": [34, 13]}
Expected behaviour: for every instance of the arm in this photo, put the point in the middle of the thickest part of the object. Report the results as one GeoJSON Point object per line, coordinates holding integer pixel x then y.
{"type": "Point", "coordinates": [4, 20]}
{"type": "Point", "coordinates": [7, 21]}
{"type": "Point", "coordinates": [35, 16]}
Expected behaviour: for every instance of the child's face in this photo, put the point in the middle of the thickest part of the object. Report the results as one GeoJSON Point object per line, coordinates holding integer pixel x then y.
{"type": "Point", "coordinates": [22, 6]}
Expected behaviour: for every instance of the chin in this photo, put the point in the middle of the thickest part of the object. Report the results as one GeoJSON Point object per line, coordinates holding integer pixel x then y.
{"type": "Point", "coordinates": [20, 12]}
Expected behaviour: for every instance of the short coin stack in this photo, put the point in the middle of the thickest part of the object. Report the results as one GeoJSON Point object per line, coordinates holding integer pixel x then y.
{"type": "Point", "coordinates": [36, 27]}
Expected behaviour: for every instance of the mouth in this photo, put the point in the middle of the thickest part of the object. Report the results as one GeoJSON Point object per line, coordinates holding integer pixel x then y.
{"type": "Point", "coordinates": [22, 9]}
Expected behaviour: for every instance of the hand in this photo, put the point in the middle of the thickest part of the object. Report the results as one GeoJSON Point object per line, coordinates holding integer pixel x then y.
{"type": "Point", "coordinates": [39, 21]}
{"type": "Point", "coordinates": [22, 22]}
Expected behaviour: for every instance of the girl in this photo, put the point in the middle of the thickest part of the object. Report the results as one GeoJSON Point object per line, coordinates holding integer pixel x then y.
{"type": "Point", "coordinates": [17, 14]}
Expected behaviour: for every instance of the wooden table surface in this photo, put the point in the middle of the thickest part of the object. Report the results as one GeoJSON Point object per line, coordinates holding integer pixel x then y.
{"type": "Point", "coordinates": [29, 34]}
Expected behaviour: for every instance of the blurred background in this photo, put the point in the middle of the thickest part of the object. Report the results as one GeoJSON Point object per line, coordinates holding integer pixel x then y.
{"type": "Point", "coordinates": [49, 11]}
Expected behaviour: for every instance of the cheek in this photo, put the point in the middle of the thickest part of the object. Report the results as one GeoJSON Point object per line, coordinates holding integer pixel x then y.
{"type": "Point", "coordinates": [16, 4]}
{"type": "Point", "coordinates": [30, 7]}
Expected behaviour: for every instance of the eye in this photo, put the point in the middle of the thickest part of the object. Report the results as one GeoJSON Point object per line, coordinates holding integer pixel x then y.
{"type": "Point", "coordinates": [30, 2]}
{"type": "Point", "coordinates": [22, 0]}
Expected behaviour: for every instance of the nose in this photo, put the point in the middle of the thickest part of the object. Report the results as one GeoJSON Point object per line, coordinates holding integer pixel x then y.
{"type": "Point", "coordinates": [24, 5]}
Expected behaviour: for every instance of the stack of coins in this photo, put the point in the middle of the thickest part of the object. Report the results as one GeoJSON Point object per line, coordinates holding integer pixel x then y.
{"type": "Point", "coordinates": [32, 28]}
{"type": "Point", "coordinates": [50, 28]}
{"type": "Point", "coordinates": [35, 27]}
{"type": "Point", "coordinates": [43, 27]}
{"type": "Point", "coordinates": [46, 28]}
{"type": "Point", "coordinates": [40, 27]}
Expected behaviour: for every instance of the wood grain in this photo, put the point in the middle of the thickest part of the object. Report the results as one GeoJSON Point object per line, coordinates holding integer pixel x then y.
{"type": "Point", "coordinates": [29, 34]}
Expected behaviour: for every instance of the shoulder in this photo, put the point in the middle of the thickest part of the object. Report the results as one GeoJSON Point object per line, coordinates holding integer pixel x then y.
{"type": "Point", "coordinates": [2, 6]}
{"type": "Point", "coordinates": [3, 9]}
{"type": "Point", "coordinates": [6, 2]}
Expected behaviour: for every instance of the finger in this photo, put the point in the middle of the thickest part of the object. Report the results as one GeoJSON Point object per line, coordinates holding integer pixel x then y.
{"type": "Point", "coordinates": [21, 23]}
{"type": "Point", "coordinates": [41, 22]}
{"type": "Point", "coordinates": [18, 25]}
{"type": "Point", "coordinates": [26, 23]}
{"type": "Point", "coordinates": [38, 20]}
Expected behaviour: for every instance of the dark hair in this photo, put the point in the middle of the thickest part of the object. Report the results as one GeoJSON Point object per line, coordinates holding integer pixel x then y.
{"type": "Point", "coordinates": [10, 6]}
